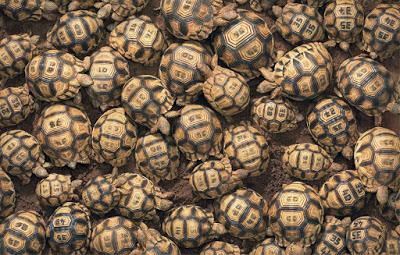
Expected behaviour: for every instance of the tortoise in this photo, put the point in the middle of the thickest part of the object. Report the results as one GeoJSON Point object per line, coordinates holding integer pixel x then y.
{"type": "Point", "coordinates": [308, 162]}
{"type": "Point", "coordinates": [276, 115]}
{"type": "Point", "coordinates": [245, 44]}
{"type": "Point", "coordinates": [299, 23]}
{"type": "Point", "coordinates": [198, 132]}
{"type": "Point", "coordinates": [16, 104]}
{"type": "Point", "coordinates": [101, 194]}
{"type": "Point", "coordinates": [392, 243]}
{"type": "Point", "coordinates": [267, 247]}
{"type": "Point", "coordinates": [74, 5]}
{"type": "Point", "coordinates": [215, 178]}
{"type": "Point", "coordinates": [119, 10]}
{"type": "Point", "coordinates": [343, 194]}
{"type": "Point", "coordinates": [179, 70]}
{"type": "Point", "coordinates": [225, 90]}
{"type": "Point", "coordinates": [113, 236]}
{"type": "Point", "coordinates": [23, 232]}
{"type": "Point", "coordinates": [220, 248]}
{"type": "Point", "coordinates": [296, 215]}
{"type": "Point", "coordinates": [68, 229]}
{"type": "Point", "coordinates": [190, 226]}
{"type": "Point", "coordinates": [78, 32]}
{"type": "Point", "coordinates": [366, 235]}
{"type": "Point", "coordinates": [56, 75]}
{"type": "Point", "coordinates": [246, 149]}
{"type": "Point", "coordinates": [153, 243]}
{"type": "Point", "coordinates": [333, 237]}
{"type": "Point", "coordinates": [265, 5]}
{"type": "Point", "coordinates": [64, 133]}
{"type": "Point", "coordinates": [140, 197]}
{"type": "Point", "coordinates": [56, 189]}
{"type": "Point", "coordinates": [376, 158]}
{"type": "Point", "coordinates": [381, 33]}
{"type": "Point", "coordinates": [21, 155]}
{"type": "Point", "coordinates": [7, 199]}
{"type": "Point", "coordinates": [32, 10]}
{"type": "Point", "coordinates": [15, 53]}
{"type": "Point", "coordinates": [195, 20]}
{"type": "Point", "coordinates": [344, 21]}
{"type": "Point", "coordinates": [333, 126]}
{"type": "Point", "coordinates": [368, 86]}
{"type": "Point", "coordinates": [301, 74]}
{"type": "Point", "coordinates": [146, 99]}
{"type": "Point", "coordinates": [109, 72]}
{"type": "Point", "coordinates": [157, 157]}
{"type": "Point", "coordinates": [114, 137]}
{"type": "Point", "coordinates": [243, 213]}
{"type": "Point", "coordinates": [138, 39]}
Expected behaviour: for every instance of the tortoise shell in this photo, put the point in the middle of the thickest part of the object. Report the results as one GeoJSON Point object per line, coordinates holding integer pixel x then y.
{"type": "Point", "coordinates": [23, 232]}
{"type": "Point", "coordinates": [213, 179]}
{"type": "Point", "coordinates": [109, 72]}
{"type": "Point", "coordinates": [157, 157]}
{"type": "Point", "coordinates": [332, 239]}
{"type": "Point", "coordinates": [246, 149]}
{"type": "Point", "coordinates": [137, 197]}
{"type": "Point", "coordinates": [7, 199]}
{"type": "Point", "coordinates": [16, 104]}
{"type": "Point", "coordinates": [226, 91]}
{"type": "Point", "coordinates": [267, 247]}
{"type": "Point", "coordinates": [306, 161]}
{"type": "Point", "coordinates": [366, 235]}
{"type": "Point", "coordinates": [276, 115]}
{"type": "Point", "coordinates": [68, 229]}
{"type": "Point", "coordinates": [54, 190]}
{"type": "Point", "coordinates": [300, 23]}
{"type": "Point", "coordinates": [78, 32]}
{"type": "Point", "coordinates": [28, 149]}
{"type": "Point", "coordinates": [54, 76]}
{"type": "Point", "coordinates": [344, 20]}
{"type": "Point", "coordinates": [304, 72]}
{"type": "Point", "coordinates": [154, 243]}
{"type": "Point", "coordinates": [188, 226]}
{"type": "Point", "coordinates": [15, 53]}
{"type": "Point", "coordinates": [198, 133]}
{"type": "Point", "coordinates": [73, 5]}
{"type": "Point", "coordinates": [333, 126]}
{"type": "Point", "coordinates": [114, 137]}
{"type": "Point", "coordinates": [122, 9]}
{"type": "Point", "coordinates": [113, 236]}
{"type": "Point", "coordinates": [145, 98]}
{"type": "Point", "coordinates": [100, 195]}
{"type": "Point", "coordinates": [64, 133]}
{"type": "Point", "coordinates": [245, 44]}
{"type": "Point", "coordinates": [179, 70]}
{"type": "Point", "coordinates": [24, 10]}
{"type": "Point", "coordinates": [303, 215]}
{"type": "Point", "coordinates": [392, 243]}
{"type": "Point", "coordinates": [190, 20]}
{"type": "Point", "coordinates": [138, 39]}
{"type": "Point", "coordinates": [376, 158]}
{"type": "Point", "coordinates": [343, 194]}
{"type": "Point", "coordinates": [220, 248]}
{"type": "Point", "coordinates": [243, 213]}
{"type": "Point", "coordinates": [381, 34]}
{"type": "Point", "coordinates": [366, 84]}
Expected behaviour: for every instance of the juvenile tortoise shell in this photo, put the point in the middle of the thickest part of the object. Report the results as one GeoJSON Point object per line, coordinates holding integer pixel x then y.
{"type": "Point", "coordinates": [218, 247]}
{"type": "Point", "coordinates": [267, 247]}
{"type": "Point", "coordinates": [138, 39]}
{"type": "Point", "coordinates": [23, 232]}
{"type": "Point", "coordinates": [68, 229]}
{"type": "Point", "coordinates": [78, 32]}
{"type": "Point", "coordinates": [7, 199]}
{"type": "Point", "coordinates": [16, 104]}
{"type": "Point", "coordinates": [29, 10]}
{"type": "Point", "coordinates": [15, 53]}
{"type": "Point", "coordinates": [333, 237]}
{"type": "Point", "coordinates": [119, 10]}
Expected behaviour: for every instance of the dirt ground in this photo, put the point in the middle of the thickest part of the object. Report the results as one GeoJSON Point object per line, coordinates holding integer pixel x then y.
{"type": "Point", "coordinates": [266, 185]}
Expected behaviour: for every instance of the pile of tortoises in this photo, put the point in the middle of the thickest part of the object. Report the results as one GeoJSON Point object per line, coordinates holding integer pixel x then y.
{"type": "Point", "coordinates": [246, 95]}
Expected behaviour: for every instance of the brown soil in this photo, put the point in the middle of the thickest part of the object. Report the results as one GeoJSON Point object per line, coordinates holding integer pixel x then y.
{"type": "Point", "coordinates": [266, 184]}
